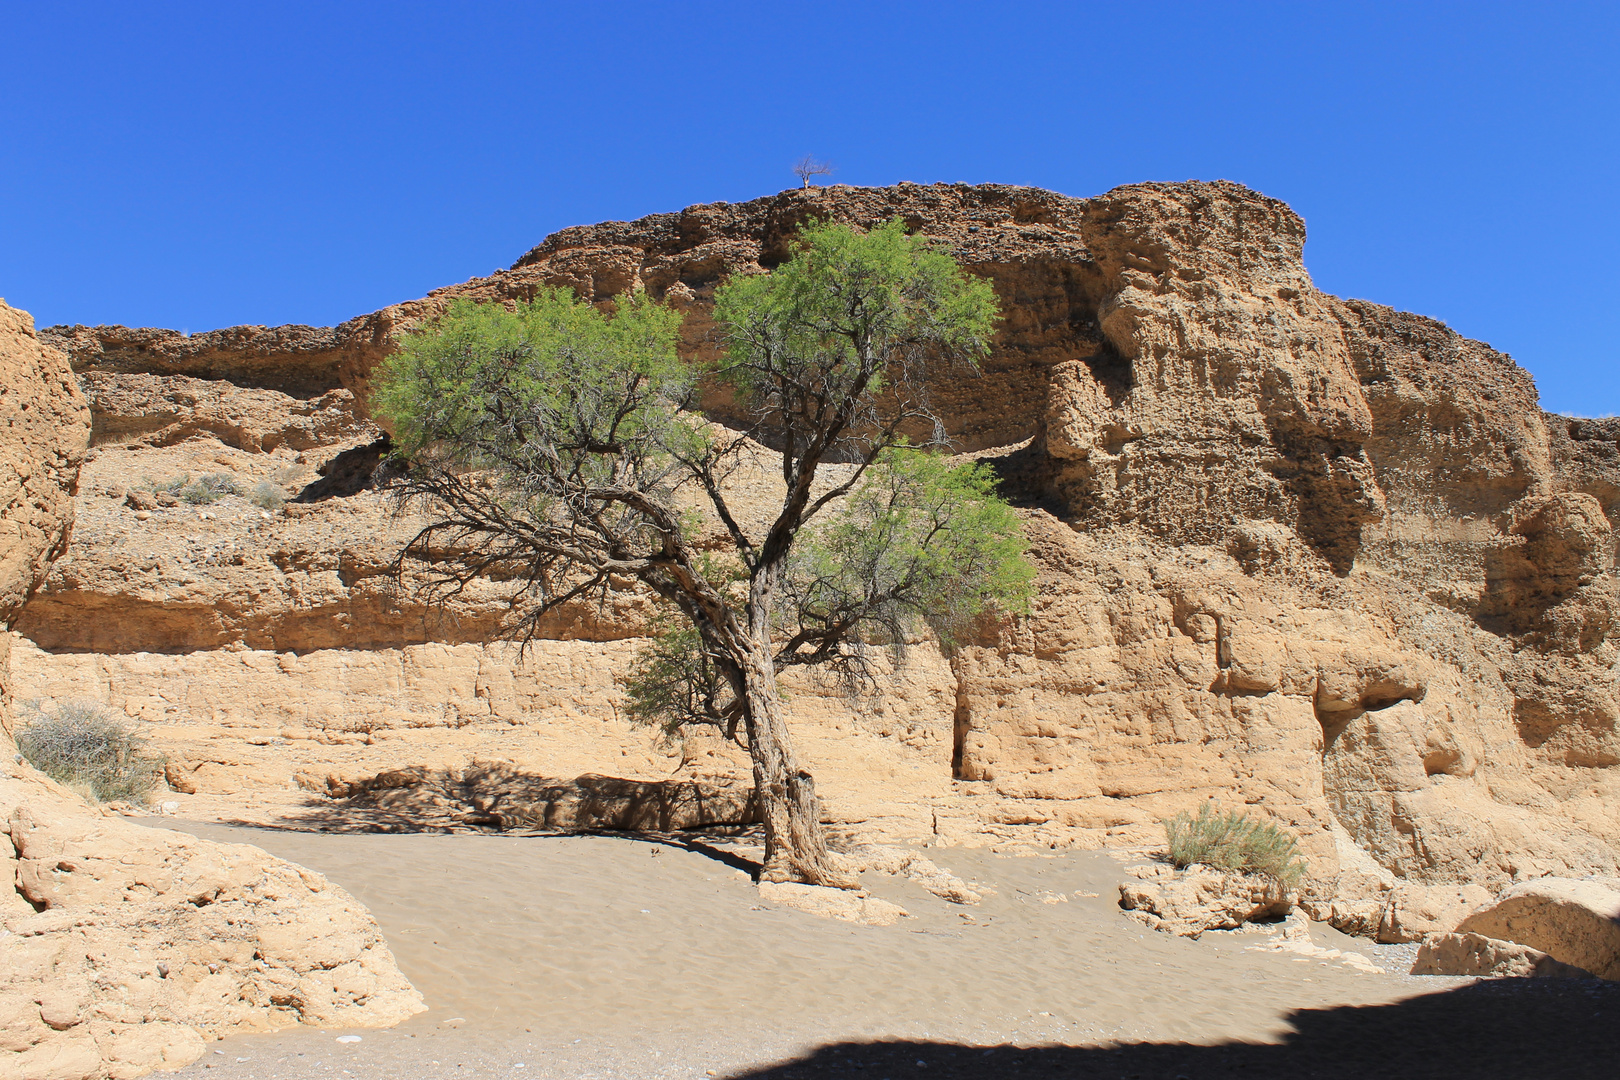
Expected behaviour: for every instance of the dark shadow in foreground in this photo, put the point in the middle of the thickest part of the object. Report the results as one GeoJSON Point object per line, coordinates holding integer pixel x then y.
{"type": "Point", "coordinates": [1507, 1028]}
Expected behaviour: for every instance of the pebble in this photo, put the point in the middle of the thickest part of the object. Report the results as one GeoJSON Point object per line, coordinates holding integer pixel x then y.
{"type": "Point", "coordinates": [348, 1038]}
{"type": "Point", "coordinates": [143, 515]}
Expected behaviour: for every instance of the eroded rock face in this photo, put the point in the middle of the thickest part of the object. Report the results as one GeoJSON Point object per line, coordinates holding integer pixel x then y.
{"type": "Point", "coordinates": [127, 946]}
{"type": "Point", "coordinates": [46, 430]}
{"type": "Point", "coordinates": [121, 947]}
{"type": "Point", "coordinates": [1310, 556]}
{"type": "Point", "coordinates": [1188, 902]}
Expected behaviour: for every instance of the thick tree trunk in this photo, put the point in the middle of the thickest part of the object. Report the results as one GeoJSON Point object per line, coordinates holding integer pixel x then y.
{"type": "Point", "coordinates": [795, 845]}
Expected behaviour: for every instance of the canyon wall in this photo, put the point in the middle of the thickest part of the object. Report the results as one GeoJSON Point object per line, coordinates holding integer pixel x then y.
{"type": "Point", "coordinates": [121, 947]}
{"type": "Point", "coordinates": [1306, 555]}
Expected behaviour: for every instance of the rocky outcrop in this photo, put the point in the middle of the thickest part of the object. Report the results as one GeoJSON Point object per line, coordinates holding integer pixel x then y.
{"type": "Point", "coordinates": [126, 947]}
{"type": "Point", "coordinates": [1308, 554]}
{"type": "Point", "coordinates": [498, 795]}
{"type": "Point", "coordinates": [1413, 912]}
{"type": "Point", "coordinates": [1575, 922]}
{"type": "Point", "coordinates": [161, 411]}
{"type": "Point", "coordinates": [121, 947]}
{"type": "Point", "coordinates": [297, 360]}
{"type": "Point", "coordinates": [46, 432]}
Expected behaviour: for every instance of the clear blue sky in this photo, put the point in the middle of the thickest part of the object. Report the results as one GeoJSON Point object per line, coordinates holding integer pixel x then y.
{"type": "Point", "coordinates": [202, 165]}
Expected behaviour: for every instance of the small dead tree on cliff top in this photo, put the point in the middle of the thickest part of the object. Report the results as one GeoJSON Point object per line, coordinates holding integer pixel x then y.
{"type": "Point", "coordinates": [807, 168]}
{"type": "Point", "coordinates": [550, 443]}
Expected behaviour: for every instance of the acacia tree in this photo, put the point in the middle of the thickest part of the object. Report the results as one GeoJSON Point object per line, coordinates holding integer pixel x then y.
{"type": "Point", "coordinates": [551, 446]}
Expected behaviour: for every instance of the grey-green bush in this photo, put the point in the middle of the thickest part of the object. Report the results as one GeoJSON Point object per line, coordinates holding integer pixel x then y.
{"type": "Point", "coordinates": [1236, 842]}
{"type": "Point", "coordinates": [200, 492]}
{"type": "Point", "coordinates": [102, 757]}
{"type": "Point", "coordinates": [266, 496]}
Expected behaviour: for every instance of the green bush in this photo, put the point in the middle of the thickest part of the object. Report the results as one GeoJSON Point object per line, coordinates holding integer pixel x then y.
{"type": "Point", "coordinates": [266, 496]}
{"type": "Point", "coordinates": [1236, 842]}
{"type": "Point", "coordinates": [102, 757]}
{"type": "Point", "coordinates": [200, 492]}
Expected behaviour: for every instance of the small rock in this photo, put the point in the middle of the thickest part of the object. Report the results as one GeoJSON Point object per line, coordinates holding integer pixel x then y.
{"type": "Point", "coordinates": [348, 1038]}
{"type": "Point", "coordinates": [143, 515]}
{"type": "Point", "coordinates": [850, 906]}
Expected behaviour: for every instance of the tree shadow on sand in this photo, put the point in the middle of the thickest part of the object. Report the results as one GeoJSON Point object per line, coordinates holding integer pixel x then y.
{"type": "Point", "coordinates": [498, 796]}
{"type": "Point", "coordinates": [1506, 1029]}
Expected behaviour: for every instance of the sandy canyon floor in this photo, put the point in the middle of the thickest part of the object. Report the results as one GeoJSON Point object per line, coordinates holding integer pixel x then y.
{"type": "Point", "coordinates": [611, 956]}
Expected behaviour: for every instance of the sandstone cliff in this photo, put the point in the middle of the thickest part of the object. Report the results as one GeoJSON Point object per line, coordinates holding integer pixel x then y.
{"type": "Point", "coordinates": [122, 946]}
{"type": "Point", "coordinates": [1310, 555]}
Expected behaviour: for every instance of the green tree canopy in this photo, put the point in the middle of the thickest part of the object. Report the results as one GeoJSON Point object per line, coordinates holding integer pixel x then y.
{"type": "Point", "coordinates": [550, 444]}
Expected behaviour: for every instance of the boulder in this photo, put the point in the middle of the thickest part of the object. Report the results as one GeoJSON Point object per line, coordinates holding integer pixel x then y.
{"type": "Point", "coordinates": [1488, 958]}
{"type": "Point", "coordinates": [1576, 922]}
{"type": "Point", "coordinates": [1199, 898]}
{"type": "Point", "coordinates": [1415, 911]}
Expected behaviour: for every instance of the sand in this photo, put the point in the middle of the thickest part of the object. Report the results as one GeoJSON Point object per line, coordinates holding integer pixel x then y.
{"type": "Point", "coordinates": [608, 956]}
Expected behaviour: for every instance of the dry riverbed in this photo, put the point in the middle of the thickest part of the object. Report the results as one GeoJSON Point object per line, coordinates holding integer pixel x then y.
{"type": "Point", "coordinates": [607, 956]}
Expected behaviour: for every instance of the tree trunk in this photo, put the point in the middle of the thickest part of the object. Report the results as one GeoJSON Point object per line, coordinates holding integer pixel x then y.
{"type": "Point", "coordinates": [795, 845]}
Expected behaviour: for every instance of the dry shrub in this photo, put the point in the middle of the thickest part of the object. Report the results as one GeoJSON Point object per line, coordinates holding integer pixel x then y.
{"type": "Point", "coordinates": [102, 757]}
{"type": "Point", "coordinates": [202, 491]}
{"type": "Point", "coordinates": [267, 496]}
{"type": "Point", "coordinates": [1235, 842]}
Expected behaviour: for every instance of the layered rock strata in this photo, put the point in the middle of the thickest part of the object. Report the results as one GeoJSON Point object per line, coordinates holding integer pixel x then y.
{"type": "Point", "coordinates": [122, 947]}
{"type": "Point", "coordinates": [1307, 555]}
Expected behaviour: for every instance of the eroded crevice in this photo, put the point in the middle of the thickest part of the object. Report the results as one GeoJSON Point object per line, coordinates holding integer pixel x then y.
{"type": "Point", "coordinates": [360, 468]}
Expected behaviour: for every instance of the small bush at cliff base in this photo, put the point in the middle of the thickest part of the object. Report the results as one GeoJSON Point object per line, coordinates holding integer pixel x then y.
{"type": "Point", "coordinates": [102, 757]}
{"type": "Point", "coordinates": [1236, 842]}
{"type": "Point", "coordinates": [203, 491]}
{"type": "Point", "coordinates": [266, 496]}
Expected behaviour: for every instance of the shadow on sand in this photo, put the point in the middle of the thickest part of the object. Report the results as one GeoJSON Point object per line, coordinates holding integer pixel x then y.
{"type": "Point", "coordinates": [1508, 1028]}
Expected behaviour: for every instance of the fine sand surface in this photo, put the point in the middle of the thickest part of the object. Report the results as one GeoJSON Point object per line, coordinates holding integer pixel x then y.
{"type": "Point", "coordinates": [609, 956]}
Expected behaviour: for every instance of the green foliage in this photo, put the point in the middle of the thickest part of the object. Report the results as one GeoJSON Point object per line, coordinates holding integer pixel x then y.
{"type": "Point", "coordinates": [550, 438]}
{"type": "Point", "coordinates": [203, 491]}
{"type": "Point", "coordinates": [267, 496]}
{"type": "Point", "coordinates": [484, 386]}
{"type": "Point", "coordinates": [921, 540]}
{"type": "Point", "coordinates": [103, 757]}
{"type": "Point", "coordinates": [673, 682]}
{"type": "Point", "coordinates": [1236, 842]}
{"type": "Point", "coordinates": [851, 313]}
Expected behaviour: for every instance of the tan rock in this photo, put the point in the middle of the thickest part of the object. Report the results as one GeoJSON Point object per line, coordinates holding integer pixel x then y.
{"type": "Point", "coordinates": [1575, 922]}
{"type": "Point", "coordinates": [1199, 898]}
{"type": "Point", "coordinates": [1487, 958]}
{"type": "Point", "coordinates": [134, 940]}
{"type": "Point", "coordinates": [163, 410]}
{"type": "Point", "coordinates": [843, 904]}
{"type": "Point", "coordinates": [46, 429]}
{"type": "Point", "coordinates": [120, 947]}
{"type": "Point", "coordinates": [1416, 911]}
